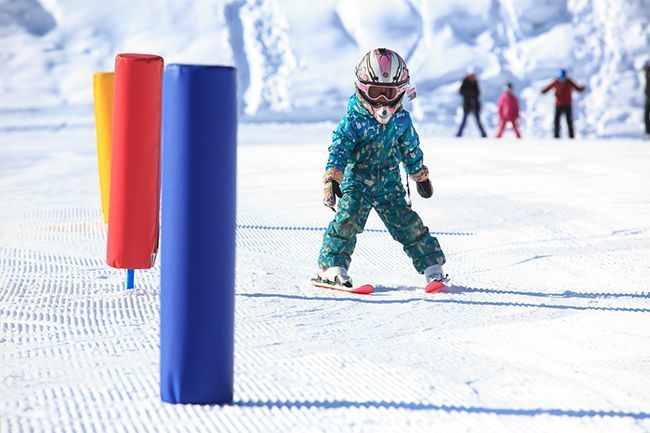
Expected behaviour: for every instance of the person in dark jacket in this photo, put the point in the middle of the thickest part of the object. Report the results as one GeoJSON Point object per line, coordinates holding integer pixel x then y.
{"type": "Point", "coordinates": [646, 115]}
{"type": "Point", "coordinates": [471, 104]}
{"type": "Point", "coordinates": [563, 86]}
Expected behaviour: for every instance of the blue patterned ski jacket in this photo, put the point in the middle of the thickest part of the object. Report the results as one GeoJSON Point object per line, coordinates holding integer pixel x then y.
{"type": "Point", "coordinates": [361, 143]}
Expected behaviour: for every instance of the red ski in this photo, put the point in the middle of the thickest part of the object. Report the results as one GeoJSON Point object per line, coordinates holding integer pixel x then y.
{"type": "Point", "coordinates": [435, 286]}
{"type": "Point", "coordinates": [366, 289]}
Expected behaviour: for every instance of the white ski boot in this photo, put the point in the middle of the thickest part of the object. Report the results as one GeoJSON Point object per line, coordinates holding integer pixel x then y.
{"type": "Point", "coordinates": [434, 273]}
{"type": "Point", "coordinates": [336, 275]}
{"type": "Point", "coordinates": [436, 279]}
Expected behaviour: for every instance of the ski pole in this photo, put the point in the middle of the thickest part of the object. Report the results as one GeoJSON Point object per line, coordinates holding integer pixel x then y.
{"type": "Point", "coordinates": [408, 190]}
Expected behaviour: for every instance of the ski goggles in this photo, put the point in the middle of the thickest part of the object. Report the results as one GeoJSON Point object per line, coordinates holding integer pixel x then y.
{"type": "Point", "coordinates": [382, 94]}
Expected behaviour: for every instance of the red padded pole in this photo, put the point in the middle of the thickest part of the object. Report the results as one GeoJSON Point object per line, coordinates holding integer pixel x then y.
{"type": "Point", "coordinates": [135, 162]}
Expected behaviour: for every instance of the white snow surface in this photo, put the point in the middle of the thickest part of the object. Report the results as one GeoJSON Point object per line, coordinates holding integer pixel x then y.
{"type": "Point", "coordinates": [545, 329]}
{"type": "Point", "coordinates": [295, 59]}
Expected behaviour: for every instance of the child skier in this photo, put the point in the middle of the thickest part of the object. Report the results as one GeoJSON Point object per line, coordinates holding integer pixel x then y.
{"type": "Point", "coordinates": [371, 140]}
{"type": "Point", "coordinates": [508, 110]}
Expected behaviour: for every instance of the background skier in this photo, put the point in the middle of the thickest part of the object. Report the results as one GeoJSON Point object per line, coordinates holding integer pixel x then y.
{"type": "Point", "coordinates": [508, 111]}
{"type": "Point", "coordinates": [370, 142]}
{"type": "Point", "coordinates": [564, 86]}
{"type": "Point", "coordinates": [470, 91]}
{"type": "Point", "coordinates": [646, 114]}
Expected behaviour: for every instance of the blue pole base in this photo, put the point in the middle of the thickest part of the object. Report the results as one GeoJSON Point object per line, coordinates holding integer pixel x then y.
{"type": "Point", "coordinates": [130, 279]}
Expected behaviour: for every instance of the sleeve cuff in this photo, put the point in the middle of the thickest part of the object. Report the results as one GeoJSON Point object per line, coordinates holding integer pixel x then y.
{"type": "Point", "coordinates": [333, 174]}
{"type": "Point", "coordinates": [421, 175]}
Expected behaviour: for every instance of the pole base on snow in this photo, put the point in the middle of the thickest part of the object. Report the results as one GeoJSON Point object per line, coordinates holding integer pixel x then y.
{"type": "Point", "coordinates": [130, 279]}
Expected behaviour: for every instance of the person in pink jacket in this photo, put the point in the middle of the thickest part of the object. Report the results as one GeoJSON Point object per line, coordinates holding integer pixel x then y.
{"type": "Point", "coordinates": [508, 109]}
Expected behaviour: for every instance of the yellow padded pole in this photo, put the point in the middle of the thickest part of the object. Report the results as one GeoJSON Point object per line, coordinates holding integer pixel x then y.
{"type": "Point", "coordinates": [103, 83]}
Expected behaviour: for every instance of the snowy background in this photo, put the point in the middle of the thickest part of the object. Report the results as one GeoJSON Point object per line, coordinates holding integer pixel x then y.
{"type": "Point", "coordinates": [296, 58]}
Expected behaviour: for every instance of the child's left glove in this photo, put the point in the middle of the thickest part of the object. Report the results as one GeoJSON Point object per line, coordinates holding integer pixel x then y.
{"type": "Point", "coordinates": [421, 178]}
{"type": "Point", "coordinates": [332, 180]}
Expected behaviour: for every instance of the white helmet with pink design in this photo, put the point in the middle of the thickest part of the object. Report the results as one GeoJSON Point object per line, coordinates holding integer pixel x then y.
{"type": "Point", "coordinates": [382, 79]}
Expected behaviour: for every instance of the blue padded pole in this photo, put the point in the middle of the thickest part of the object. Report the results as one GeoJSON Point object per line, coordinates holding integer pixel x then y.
{"type": "Point", "coordinates": [130, 278]}
{"type": "Point", "coordinates": [197, 288]}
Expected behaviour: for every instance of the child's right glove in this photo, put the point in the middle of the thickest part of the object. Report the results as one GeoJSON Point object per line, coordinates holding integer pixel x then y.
{"type": "Point", "coordinates": [421, 178]}
{"type": "Point", "coordinates": [332, 180]}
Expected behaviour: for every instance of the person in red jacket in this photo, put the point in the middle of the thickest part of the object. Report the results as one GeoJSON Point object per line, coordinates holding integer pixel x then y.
{"type": "Point", "coordinates": [508, 110]}
{"type": "Point", "coordinates": [563, 86]}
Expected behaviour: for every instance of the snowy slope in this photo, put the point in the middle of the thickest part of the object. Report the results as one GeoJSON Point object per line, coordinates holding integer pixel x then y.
{"type": "Point", "coordinates": [295, 61]}
{"type": "Point", "coordinates": [546, 329]}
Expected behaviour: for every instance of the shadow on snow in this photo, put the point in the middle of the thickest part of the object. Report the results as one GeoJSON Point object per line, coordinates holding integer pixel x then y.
{"type": "Point", "coordinates": [460, 290]}
{"type": "Point", "coordinates": [565, 294]}
{"type": "Point", "coordinates": [346, 404]}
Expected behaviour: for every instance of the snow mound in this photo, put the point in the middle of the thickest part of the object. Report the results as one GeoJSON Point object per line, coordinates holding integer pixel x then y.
{"type": "Point", "coordinates": [27, 15]}
{"type": "Point", "coordinates": [369, 25]}
{"type": "Point", "coordinates": [295, 63]}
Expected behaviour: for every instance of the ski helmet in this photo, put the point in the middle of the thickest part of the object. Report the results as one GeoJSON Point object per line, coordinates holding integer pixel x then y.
{"type": "Point", "coordinates": [381, 81]}
{"type": "Point", "coordinates": [561, 74]}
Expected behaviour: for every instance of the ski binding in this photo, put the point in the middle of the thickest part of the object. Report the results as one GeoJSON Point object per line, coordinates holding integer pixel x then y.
{"type": "Point", "coordinates": [365, 289]}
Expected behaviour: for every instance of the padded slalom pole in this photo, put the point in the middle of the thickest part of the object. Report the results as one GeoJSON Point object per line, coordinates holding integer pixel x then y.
{"type": "Point", "coordinates": [103, 99]}
{"type": "Point", "coordinates": [198, 234]}
{"type": "Point", "coordinates": [135, 162]}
